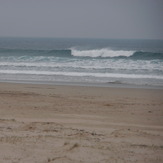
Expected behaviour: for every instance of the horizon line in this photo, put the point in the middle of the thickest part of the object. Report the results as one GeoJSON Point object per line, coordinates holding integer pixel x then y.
{"type": "Point", "coordinates": [53, 37]}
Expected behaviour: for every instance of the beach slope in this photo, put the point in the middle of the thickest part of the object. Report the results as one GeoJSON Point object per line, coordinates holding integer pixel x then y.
{"type": "Point", "coordinates": [80, 124]}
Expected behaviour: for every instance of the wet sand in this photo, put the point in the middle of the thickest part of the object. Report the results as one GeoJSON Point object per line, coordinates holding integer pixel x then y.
{"type": "Point", "coordinates": [42, 123]}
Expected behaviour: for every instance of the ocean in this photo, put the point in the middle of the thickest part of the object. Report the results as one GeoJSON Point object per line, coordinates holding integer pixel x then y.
{"type": "Point", "coordinates": [59, 60]}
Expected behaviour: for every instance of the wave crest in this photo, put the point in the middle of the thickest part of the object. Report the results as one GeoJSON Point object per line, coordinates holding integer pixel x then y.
{"type": "Point", "coordinates": [95, 53]}
{"type": "Point", "coordinates": [104, 53]}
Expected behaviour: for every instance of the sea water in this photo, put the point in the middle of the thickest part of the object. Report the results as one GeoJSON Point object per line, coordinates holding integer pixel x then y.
{"type": "Point", "coordinates": [136, 62]}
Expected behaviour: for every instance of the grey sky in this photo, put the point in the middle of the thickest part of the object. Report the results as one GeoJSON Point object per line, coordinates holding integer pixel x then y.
{"type": "Point", "coordinates": [82, 18]}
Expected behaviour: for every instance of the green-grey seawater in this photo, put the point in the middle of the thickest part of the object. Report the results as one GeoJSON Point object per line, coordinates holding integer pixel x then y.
{"type": "Point", "coordinates": [138, 62]}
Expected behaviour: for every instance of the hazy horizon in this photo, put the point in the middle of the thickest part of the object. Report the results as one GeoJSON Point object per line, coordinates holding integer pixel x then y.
{"type": "Point", "coordinates": [82, 38]}
{"type": "Point", "coordinates": [101, 19]}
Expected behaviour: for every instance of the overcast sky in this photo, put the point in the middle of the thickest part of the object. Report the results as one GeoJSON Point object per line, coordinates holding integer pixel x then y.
{"type": "Point", "coordinates": [140, 19]}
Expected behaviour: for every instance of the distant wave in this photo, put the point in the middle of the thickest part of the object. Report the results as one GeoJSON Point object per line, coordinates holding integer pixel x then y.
{"type": "Point", "coordinates": [146, 55]}
{"type": "Point", "coordinates": [106, 53]}
{"type": "Point", "coordinates": [95, 53]}
{"type": "Point", "coordinates": [35, 52]}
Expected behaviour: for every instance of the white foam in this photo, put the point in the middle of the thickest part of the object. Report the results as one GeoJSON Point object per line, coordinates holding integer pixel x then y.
{"type": "Point", "coordinates": [82, 74]}
{"type": "Point", "coordinates": [89, 64]}
{"type": "Point", "coordinates": [101, 53]}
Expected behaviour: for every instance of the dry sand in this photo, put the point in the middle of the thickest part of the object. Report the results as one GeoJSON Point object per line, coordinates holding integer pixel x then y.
{"type": "Point", "coordinates": [72, 124]}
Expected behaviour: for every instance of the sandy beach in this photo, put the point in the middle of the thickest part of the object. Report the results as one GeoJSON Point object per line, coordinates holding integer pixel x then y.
{"type": "Point", "coordinates": [80, 124]}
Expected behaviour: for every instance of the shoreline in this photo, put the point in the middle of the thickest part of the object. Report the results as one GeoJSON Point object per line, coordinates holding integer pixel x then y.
{"type": "Point", "coordinates": [85, 84]}
{"type": "Point", "coordinates": [74, 124]}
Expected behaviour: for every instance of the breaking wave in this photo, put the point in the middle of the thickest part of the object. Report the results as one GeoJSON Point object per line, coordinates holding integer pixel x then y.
{"type": "Point", "coordinates": [106, 53]}
{"type": "Point", "coordinates": [95, 53]}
